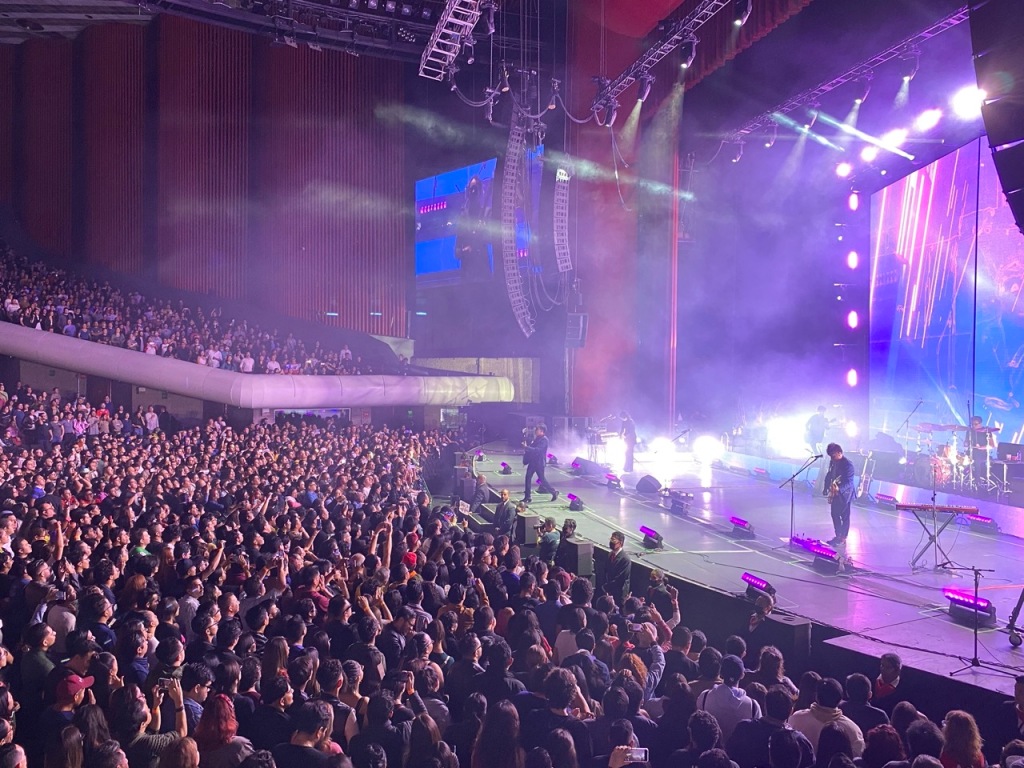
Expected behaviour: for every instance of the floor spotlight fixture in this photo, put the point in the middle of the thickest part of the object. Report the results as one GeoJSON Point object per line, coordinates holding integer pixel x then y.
{"type": "Point", "coordinates": [863, 88]}
{"type": "Point", "coordinates": [756, 586]}
{"type": "Point", "coordinates": [552, 460]}
{"type": "Point", "coordinates": [741, 529]}
{"type": "Point", "coordinates": [826, 559]}
{"type": "Point", "coordinates": [982, 524]}
{"type": "Point", "coordinates": [613, 481]}
{"type": "Point", "coordinates": [505, 469]}
{"type": "Point", "coordinates": [652, 539]}
{"type": "Point", "coordinates": [575, 503]}
{"type": "Point", "coordinates": [646, 81]}
{"type": "Point", "coordinates": [679, 502]}
{"type": "Point", "coordinates": [741, 11]}
{"type": "Point", "coordinates": [965, 608]}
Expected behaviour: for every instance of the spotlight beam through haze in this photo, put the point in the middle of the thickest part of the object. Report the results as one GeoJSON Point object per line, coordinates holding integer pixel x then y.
{"type": "Point", "coordinates": [866, 137]}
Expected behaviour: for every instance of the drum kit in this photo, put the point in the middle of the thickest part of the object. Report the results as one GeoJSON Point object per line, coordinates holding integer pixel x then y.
{"type": "Point", "coordinates": [953, 463]}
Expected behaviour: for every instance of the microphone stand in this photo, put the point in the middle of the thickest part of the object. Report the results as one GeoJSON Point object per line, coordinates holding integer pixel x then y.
{"type": "Point", "coordinates": [975, 662]}
{"type": "Point", "coordinates": [792, 492]}
{"type": "Point", "coordinates": [906, 421]}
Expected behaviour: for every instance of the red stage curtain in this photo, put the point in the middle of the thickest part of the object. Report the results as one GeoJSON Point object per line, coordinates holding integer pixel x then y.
{"type": "Point", "coordinates": [113, 68]}
{"type": "Point", "coordinates": [45, 197]}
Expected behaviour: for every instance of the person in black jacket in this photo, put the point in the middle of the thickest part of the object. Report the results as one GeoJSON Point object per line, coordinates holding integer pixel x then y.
{"type": "Point", "coordinates": [379, 728]}
{"type": "Point", "coordinates": [536, 458]}
{"type": "Point", "coordinates": [840, 490]}
{"type": "Point", "coordinates": [505, 516]}
{"type": "Point", "coordinates": [616, 576]}
{"type": "Point", "coordinates": [496, 682]}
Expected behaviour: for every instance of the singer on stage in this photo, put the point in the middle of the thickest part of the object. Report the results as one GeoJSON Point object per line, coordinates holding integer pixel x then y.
{"type": "Point", "coordinates": [839, 489]}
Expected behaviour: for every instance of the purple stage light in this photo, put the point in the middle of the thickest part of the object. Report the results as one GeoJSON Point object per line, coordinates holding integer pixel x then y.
{"type": "Point", "coordinates": [853, 201]}
{"type": "Point", "coordinates": [572, 497]}
{"type": "Point", "coordinates": [503, 465]}
{"type": "Point", "coordinates": [967, 600]}
{"type": "Point", "coordinates": [853, 319]}
{"type": "Point", "coordinates": [741, 529]}
{"type": "Point", "coordinates": [802, 542]}
{"type": "Point", "coordinates": [853, 259]}
{"type": "Point", "coordinates": [825, 553]}
{"type": "Point", "coordinates": [758, 584]}
{"type": "Point", "coordinates": [575, 465]}
{"type": "Point", "coordinates": [928, 120]}
{"type": "Point", "coordinates": [884, 498]}
{"type": "Point", "coordinates": [852, 377]}
{"type": "Point", "coordinates": [979, 519]}
{"type": "Point", "coordinates": [760, 471]}
{"type": "Point", "coordinates": [843, 170]}
{"type": "Point", "coordinates": [739, 522]}
{"type": "Point", "coordinates": [648, 531]}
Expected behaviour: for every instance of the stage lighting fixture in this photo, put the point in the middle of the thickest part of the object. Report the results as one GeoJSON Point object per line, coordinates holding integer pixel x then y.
{"type": "Point", "coordinates": [687, 53]}
{"type": "Point", "coordinates": [707, 449]}
{"type": "Point", "coordinates": [741, 12]}
{"type": "Point", "coordinates": [613, 481]}
{"type": "Point", "coordinates": [646, 81]}
{"type": "Point", "coordinates": [741, 529]}
{"type": "Point", "coordinates": [853, 259]}
{"type": "Point", "coordinates": [802, 542]}
{"type": "Point", "coordinates": [738, 154]}
{"type": "Point", "coordinates": [503, 84]}
{"type": "Point", "coordinates": [869, 154]}
{"type": "Point", "coordinates": [390, 5]}
{"type": "Point", "coordinates": [489, 8]}
{"type": "Point", "coordinates": [679, 502]}
{"type": "Point", "coordinates": [853, 201]}
{"type": "Point", "coordinates": [552, 460]}
{"type": "Point", "coordinates": [966, 102]}
{"type": "Point", "coordinates": [505, 469]}
{"type": "Point", "coordinates": [965, 608]}
{"type": "Point", "coordinates": [813, 112]}
{"type": "Point", "coordinates": [826, 559]}
{"type": "Point", "coordinates": [909, 63]}
{"type": "Point", "coordinates": [863, 86]}
{"type": "Point", "coordinates": [611, 113]}
{"type": "Point", "coordinates": [928, 120]}
{"type": "Point", "coordinates": [426, 13]}
{"type": "Point", "coordinates": [575, 503]}
{"type": "Point", "coordinates": [982, 524]}
{"type": "Point", "coordinates": [770, 141]}
{"type": "Point", "coordinates": [852, 319]}
{"type": "Point", "coordinates": [652, 539]}
{"type": "Point", "coordinates": [353, 4]}
{"type": "Point", "coordinates": [373, 4]}
{"type": "Point", "coordinates": [852, 377]}
{"type": "Point", "coordinates": [756, 586]}
{"type": "Point", "coordinates": [577, 467]}
{"type": "Point", "coordinates": [884, 499]}
{"type": "Point", "coordinates": [844, 169]}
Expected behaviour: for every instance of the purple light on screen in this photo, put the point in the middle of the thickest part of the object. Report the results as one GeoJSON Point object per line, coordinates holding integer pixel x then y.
{"type": "Point", "coordinates": [852, 377]}
{"type": "Point", "coordinates": [756, 582]}
{"type": "Point", "coordinates": [853, 259]}
{"type": "Point", "coordinates": [648, 531]}
{"type": "Point", "coordinates": [853, 319]}
{"type": "Point", "coordinates": [967, 600]}
{"type": "Point", "coordinates": [853, 201]}
{"type": "Point", "coordinates": [739, 522]}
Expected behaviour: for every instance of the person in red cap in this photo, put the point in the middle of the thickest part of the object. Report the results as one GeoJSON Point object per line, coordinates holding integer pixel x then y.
{"type": "Point", "coordinates": [71, 692]}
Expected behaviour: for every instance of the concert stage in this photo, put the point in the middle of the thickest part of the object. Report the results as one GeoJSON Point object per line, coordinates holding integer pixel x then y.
{"type": "Point", "coordinates": [876, 604]}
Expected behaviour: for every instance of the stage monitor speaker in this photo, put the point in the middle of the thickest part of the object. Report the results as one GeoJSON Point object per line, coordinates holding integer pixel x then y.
{"type": "Point", "coordinates": [648, 484]}
{"type": "Point", "coordinates": [576, 555]}
{"type": "Point", "coordinates": [587, 467]}
{"type": "Point", "coordinates": [524, 533]}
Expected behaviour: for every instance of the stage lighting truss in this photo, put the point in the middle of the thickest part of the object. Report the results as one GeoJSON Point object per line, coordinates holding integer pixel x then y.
{"type": "Point", "coordinates": [455, 23]}
{"type": "Point", "coordinates": [767, 120]}
{"type": "Point", "coordinates": [675, 34]}
{"type": "Point", "coordinates": [521, 306]}
{"type": "Point", "coordinates": [563, 258]}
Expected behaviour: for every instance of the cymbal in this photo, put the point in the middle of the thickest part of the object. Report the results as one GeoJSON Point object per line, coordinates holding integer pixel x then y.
{"type": "Point", "coordinates": [953, 428]}
{"type": "Point", "coordinates": [988, 430]}
{"type": "Point", "coordinates": [926, 427]}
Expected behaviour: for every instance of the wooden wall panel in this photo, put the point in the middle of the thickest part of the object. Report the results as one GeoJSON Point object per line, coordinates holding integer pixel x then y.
{"type": "Point", "coordinates": [113, 72]}
{"type": "Point", "coordinates": [45, 197]}
{"type": "Point", "coordinates": [203, 84]}
{"type": "Point", "coordinates": [330, 204]}
{"type": "Point", "coordinates": [7, 59]}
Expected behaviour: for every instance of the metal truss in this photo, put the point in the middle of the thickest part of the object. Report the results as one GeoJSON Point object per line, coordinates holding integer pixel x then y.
{"type": "Point", "coordinates": [456, 22]}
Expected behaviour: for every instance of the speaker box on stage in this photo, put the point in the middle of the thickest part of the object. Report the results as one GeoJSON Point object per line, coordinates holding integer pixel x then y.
{"type": "Point", "coordinates": [588, 467]}
{"type": "Point", "coordinates": [576, 555]}
{"type": "Point", "coordinates": [790, 634]}
{"type": "Point", "coordinates": [524, 533]}
{"type": "Point", "coordinates": [648, 484]}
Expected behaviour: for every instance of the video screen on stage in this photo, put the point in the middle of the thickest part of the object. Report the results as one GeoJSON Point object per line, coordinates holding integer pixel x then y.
{"type": "Point", "coordinates": [458, 225]}
{"type": "Point", "coordinates": [947, 316]}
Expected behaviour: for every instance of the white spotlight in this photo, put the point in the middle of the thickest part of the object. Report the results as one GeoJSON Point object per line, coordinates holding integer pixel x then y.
{"type": "Point", "coordinates": [707, 449]}
{"type": "Point", "coordinates": [895, 138]}
{"type": "Point", "coordinates": [966, 102]}
{"type": "Point", "coordinates": [928, 120]}
{"type": "Point", "coordinates": [844, 169]}
{"type": "Point", "coordinates": [869, 154]}
{"type": "Point", "coordinates": [851, 428]}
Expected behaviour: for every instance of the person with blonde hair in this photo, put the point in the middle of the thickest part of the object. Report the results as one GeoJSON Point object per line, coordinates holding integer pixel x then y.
{"type": "Point", "coordinates": [962, 741]}
{"type": "Point", "coordinates": [182, 753]}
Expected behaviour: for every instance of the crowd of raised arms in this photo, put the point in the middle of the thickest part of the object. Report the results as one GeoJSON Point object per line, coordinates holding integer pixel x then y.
{"type": "Point", "coordinates": [35, 295]}
{"type": "Point", "coordinates": [287, 595]}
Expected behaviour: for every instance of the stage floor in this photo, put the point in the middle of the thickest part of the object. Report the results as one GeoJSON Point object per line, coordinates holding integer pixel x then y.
{"type": "Point", "coordinates": [881, 600]}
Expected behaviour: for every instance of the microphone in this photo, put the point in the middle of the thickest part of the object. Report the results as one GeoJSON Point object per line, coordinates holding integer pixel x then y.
{"type": "Point", "coordinates": [818, 456]}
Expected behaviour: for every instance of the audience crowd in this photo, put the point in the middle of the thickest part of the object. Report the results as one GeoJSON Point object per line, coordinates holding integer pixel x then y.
{"type": "Point", "coordinates": [288, 595]}
{"type": "Point", "coordinates": [35, 295]}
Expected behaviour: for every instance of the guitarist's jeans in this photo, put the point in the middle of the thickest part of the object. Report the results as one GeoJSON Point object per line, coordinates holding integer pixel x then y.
{"type": "Point", "coordinates": [841, 506]}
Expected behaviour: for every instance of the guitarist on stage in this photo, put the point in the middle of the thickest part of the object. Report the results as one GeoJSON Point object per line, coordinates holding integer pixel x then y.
{"type": "Point", "coordinates": [839, 489]}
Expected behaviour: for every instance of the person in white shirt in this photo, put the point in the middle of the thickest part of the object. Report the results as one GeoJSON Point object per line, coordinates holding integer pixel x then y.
{"type": "Point", "coordinates": [727, 701]}
{"type": "Point", "coordinates": [824, 710]}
